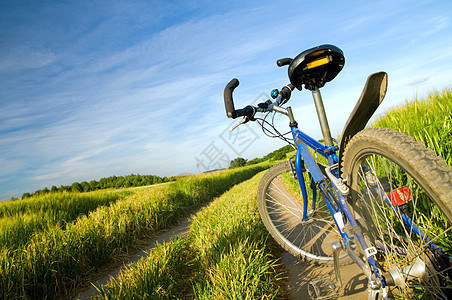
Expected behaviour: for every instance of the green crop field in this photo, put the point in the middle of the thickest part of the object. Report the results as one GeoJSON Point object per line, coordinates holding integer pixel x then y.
{"type": "Point", "coordinates": [227, 255]}
{"type": "Point", "coordinates": [427, 120]}
{"type": "Point", "coordinates": [50, 244]}
{"type": "Point", "coordinates": [56, 258]}
{"type": "Point", "coordinates": [21, 219]}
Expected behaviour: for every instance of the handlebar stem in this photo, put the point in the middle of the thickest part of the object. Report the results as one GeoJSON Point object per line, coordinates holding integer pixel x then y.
{"type": "Point", "coordinates": [291, 117]}
{"type": "Point", "coordinates": [280, 109]}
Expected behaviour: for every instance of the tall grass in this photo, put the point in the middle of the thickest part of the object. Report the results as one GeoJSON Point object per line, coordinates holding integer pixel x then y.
{"type": "Point", "coordinates": [56, 203]}
{"type": "Point", "coordinates": [427, 120]}
{"type": "Point", "coordinates": [225, 256]}
{"type": "Point", "coordinates": [20, 219]}
{"type": "Point", "coordinates": [234, 249]}
{"type": "Point", "coordinates": [54, 262]}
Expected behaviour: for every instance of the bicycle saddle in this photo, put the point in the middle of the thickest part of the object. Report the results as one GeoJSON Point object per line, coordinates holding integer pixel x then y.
{"type": "Point", "coordinates": [316, 66]}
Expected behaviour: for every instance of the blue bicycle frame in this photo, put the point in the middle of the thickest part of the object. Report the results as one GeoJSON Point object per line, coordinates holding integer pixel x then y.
{"type": "Point", "coordinates": [337, 208]}
{"type": "Point", "coordinates": [303, 141]}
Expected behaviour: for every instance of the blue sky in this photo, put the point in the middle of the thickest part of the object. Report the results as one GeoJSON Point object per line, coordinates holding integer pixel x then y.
{"type": "Point", "coordinates": [91, 89]}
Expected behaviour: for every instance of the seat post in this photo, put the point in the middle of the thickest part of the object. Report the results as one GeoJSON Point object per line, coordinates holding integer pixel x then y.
{"type": "Point", "coordinates": [322, 117]}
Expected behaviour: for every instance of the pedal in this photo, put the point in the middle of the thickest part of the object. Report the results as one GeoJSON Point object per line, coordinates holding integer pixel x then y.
{"type": "Point", "coordinates": [337, 247]}
{"type": "Point", "coordinates": [322, 288]}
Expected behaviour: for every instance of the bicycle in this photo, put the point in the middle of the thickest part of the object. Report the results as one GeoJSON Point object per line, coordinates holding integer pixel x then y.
{"type": "Point", "coordinates": [387, 198]}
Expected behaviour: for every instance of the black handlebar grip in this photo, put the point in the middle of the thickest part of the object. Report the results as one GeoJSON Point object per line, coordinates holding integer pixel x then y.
{"type": "Point", "coordinates": [283, 61]}
{"type": "Point", "coordinates": [246, 111]}
{"type": "Point", "coordinates": [228, 101]}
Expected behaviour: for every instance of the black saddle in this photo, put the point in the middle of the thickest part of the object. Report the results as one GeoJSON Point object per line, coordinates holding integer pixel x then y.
{"type": "Point", "coordinates": [316, 66]}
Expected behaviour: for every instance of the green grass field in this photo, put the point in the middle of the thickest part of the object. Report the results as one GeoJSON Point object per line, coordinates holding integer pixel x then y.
{"type": "Point", "coordinates": [428, 120]}
{"type": "Point", "coordinates": [227, 255]}
{"type": "Point", "coordinates": [54, 260]}
{"type": "Point", "coordinates": [21, 219]}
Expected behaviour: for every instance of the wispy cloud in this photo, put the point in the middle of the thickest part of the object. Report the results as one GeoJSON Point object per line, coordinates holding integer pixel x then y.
{"type": "Point", "coordinates": [24, 58]}
{"type": "Point", "coordinates": [138, 87]}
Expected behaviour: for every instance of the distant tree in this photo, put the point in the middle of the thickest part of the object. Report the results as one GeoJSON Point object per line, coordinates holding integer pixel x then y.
{"type": "Point", "coordinates": [119, 182]}
{"type": "Point", "coordinates": [104, 183]}
{"type": "Point", "coordinates": [279, 156]}
{"type": "Point", "coordinates": [85, 186]}
{"type": "Point", "coordinates": [65, 188]}
{"type": "Point", "coordinates": [76, 187]}
{"type": "Point", "coordinates": [93, 185]}
{"type": "Point", "coordinates": [128, 182]}
{"type": "Point", "coordinates": [237, 162]}
{"type": "Point", "coordinates": [254, 161]}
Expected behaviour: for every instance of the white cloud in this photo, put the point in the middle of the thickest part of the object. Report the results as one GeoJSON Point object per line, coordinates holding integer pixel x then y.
{"type": "Point", "coordinates": [124, 99]}
{"type": "Point", "coordinates": [24, 58]}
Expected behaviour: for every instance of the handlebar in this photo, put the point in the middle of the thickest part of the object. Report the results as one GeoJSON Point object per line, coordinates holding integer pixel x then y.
{"type": "Point", "coordinates": [249, 111]}
{"type": "Point", "coordinates": [231, 112]}
{"type": "Point", "coordinates": [228, 101]}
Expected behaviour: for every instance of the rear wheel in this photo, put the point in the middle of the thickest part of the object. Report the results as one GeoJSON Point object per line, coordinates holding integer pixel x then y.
{"type": "Point", "coordinates": [281, 208]}
{"type": "Point", "coordinates": [402, 191]}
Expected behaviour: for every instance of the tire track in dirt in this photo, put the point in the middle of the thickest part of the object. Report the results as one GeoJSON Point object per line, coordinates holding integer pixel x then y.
{"type": "Point", "coordinates": [299, 273]}
{"type": "Point", "coordinates": [180, 230]}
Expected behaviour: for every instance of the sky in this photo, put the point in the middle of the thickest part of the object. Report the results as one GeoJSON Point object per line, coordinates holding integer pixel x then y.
{"type": "Point", "coordinates": [92, 89]}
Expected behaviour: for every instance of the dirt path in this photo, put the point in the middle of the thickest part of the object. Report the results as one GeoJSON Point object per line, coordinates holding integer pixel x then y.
{"type": "Point", "coordinates": [180, 230]}
{"type": "Point", "coordinates": [300, 275]}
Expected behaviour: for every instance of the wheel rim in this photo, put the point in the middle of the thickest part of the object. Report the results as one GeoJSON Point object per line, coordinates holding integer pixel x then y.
{"type": "Point", "coordinates": [283, 207]}
{"type": "Point", "coordinates": [400, 249]}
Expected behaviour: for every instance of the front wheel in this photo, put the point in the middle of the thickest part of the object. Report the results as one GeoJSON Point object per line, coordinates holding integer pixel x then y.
{"type": "Point", "coordinates": [281, 208]}
{"type": "Point", "coordinates": [402, 193]}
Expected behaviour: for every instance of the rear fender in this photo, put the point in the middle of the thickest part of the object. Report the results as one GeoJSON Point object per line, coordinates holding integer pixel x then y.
{"type": "Point", "coordinates": [371, 97]}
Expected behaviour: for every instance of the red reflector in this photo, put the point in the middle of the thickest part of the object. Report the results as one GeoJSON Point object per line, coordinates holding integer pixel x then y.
{"type": "Point", "coordinates": [400, 196]}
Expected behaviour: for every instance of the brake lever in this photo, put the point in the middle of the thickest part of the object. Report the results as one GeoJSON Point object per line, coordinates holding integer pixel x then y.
{"type": "Point", "coordinates": [243, 121]}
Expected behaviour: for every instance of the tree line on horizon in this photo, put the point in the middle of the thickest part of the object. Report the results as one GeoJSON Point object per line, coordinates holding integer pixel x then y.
{"type": "Point", "coordinates": [272, 156]}
{"type": "Point", "coordinates": [104, 183]}
{"type": "Point", "coordinates": [142, 180]}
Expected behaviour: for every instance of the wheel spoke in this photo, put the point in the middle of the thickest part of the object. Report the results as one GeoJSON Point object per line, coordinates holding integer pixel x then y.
{"type": "Point", "coordinates": [395, 233]}
{"type": "Point", "coordinates": [282, 211]}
